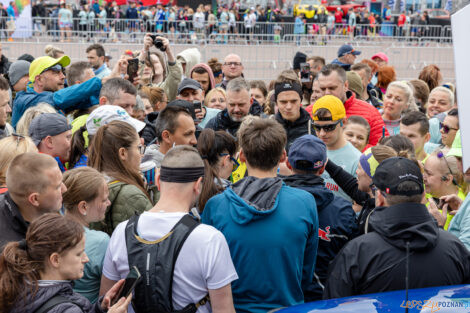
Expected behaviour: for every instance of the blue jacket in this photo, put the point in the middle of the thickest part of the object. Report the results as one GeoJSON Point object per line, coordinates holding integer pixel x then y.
{"type": "Point", "coordinates": [78, 96]}
{"type": "Point", "coordinates": [346, 67]}
{"type": "Point", "coordinates": [272, 233]}
{"type": "Point", "coordinates": [460, 224]}
{"type": "Point", "coordinates": [337, 225]}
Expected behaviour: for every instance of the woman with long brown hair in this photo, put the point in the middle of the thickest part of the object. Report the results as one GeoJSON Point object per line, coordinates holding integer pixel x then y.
{"type": "Point", "coordinates": [42, 267]}
{"type": "Point", "coordinates": [116, 152]}
{"type": "Point", "coordinates": [217, 149]}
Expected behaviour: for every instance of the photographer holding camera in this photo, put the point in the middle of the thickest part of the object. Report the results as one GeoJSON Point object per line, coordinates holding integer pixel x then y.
{"type": "Point", "coordinates": [157, 70]}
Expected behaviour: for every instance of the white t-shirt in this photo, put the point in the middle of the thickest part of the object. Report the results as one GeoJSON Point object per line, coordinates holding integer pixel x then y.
{"type": "Point", "coordinates": [204, 261]}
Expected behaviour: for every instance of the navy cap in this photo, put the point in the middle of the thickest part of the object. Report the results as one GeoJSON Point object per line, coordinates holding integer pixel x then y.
{"type": "Point", "coordinates": [307, 153]}
{"type": "Point", "coordinates": [394, 171]}
{"type": "Point", "coordinates": [189, 83]}
{"type": "Point", "coordinates": [345, 49]}
{"type": "Point", "coordinates": [47, 124]}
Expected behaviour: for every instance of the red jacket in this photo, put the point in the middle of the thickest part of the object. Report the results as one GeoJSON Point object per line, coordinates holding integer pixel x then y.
{"type": "Point", "coordinates": [355, 106]}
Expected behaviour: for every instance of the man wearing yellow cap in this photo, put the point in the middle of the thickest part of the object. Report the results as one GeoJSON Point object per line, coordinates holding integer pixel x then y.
{"type": "Point", "coordinates": [46, 76]}
{"type": "Point", "coordinates": [329, 118]}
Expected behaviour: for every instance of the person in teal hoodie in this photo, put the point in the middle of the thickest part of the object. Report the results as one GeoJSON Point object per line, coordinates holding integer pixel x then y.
{"type": "Point", "coordinates": [271, 229]}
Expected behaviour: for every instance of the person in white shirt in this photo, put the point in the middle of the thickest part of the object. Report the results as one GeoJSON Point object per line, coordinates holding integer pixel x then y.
{"type": "Point", "coordinates": [203, 265]}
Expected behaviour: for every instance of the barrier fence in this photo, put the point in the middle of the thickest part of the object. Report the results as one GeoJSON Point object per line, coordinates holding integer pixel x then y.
{"type": "Point", "coordinates": [125, 30]}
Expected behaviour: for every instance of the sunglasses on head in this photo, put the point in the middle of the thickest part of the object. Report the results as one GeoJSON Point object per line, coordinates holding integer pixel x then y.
{"type": "Point", "coordinates": [441, 155]}
{"type": "Point", "coordinates": [328, 127]}
{"type": "Point", "coordinates": [55, 68]}
{"type": "Point", "coordinates": [235, 162]}
{"type": "Point", "coordinates": [446, 129]}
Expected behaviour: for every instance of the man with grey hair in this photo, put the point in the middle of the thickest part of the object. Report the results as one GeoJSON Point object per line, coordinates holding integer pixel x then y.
{"type": "Point", "coordinates": [120, 92]}
{"type": "Point", "coordinates": [204, 270]}
{"type": "Point", "coordinates": [239, 105]}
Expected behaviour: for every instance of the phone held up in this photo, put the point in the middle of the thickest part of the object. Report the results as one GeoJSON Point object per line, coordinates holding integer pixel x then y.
{"type": "Point", "coordinates": [131, 281]}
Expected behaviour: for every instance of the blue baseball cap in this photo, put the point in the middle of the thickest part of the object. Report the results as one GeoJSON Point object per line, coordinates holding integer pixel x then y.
{"type": "Point", "coordinates": [307, 153]}
{"type": "Point", "coordinates": [345, 49]}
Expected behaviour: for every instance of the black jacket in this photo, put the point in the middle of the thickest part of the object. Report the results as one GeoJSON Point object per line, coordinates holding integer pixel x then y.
{"type": "Point", "coordinates": [77, 303]}
{"type": "Point", "coordinates": [4, 65]}
{"type": "Point", "coordinates": [12, 225]}
{"type": "Point", "coordinates": [302, 126]}
{"type": "Point", "coordinates": [336, 222]}
{"type": "Point", "coordinates": [376, 262]}
{"type": "Point", "coordinates": [149, 133]}
{"type": "Point", "coordinates": [222, 120]}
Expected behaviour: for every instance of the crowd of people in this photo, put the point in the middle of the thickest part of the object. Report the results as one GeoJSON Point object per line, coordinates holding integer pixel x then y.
{"type": "Point", "coordinates": [108, 21]}
{"type": "Point", "coordinates": [226, 194]}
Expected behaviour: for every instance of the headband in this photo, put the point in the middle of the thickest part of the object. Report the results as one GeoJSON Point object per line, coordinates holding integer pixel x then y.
{"type": "Point", "coordinates": [181, 174]}
{"type": "Point", "coordinates": [368, 163]}
{"type": "Point", "coordinates": [281, 87]}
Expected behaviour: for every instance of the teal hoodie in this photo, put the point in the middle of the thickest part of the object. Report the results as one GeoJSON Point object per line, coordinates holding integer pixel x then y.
{"type": "Point", "coordinates": [272, 233]}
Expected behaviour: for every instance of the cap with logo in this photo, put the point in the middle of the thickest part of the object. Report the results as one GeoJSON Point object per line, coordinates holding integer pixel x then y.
{"type": "Point", "coordinates": [189, 83]}
{"type": "Point", "coordinates": [307, 153]}
{"type": "Point", "coordinates": [105, 114]}
{"type": "Point", "coordinates": [42, 63]}
{"type": "Point", "coordinates": [394, 171]}
{"type": "Point", "coordinates": [346, 49]}
{"type": "Point", "coordinates": [332, 104]}
{"type": "Point", "coordinates": [47, 124]}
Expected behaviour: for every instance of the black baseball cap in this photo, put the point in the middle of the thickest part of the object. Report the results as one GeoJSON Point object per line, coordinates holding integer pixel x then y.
{"type": "Point", "coordinates": [394, 171]}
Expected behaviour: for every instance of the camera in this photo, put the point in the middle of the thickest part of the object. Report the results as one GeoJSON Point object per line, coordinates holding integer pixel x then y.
{"type": "Point", "coordinates": [158, 43]}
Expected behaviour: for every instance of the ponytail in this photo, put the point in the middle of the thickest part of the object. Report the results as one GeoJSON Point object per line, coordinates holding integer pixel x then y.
{"type": "Point", "coordinates": [78, 146]}
{"type": "Point", "coordinates": [22, 262]}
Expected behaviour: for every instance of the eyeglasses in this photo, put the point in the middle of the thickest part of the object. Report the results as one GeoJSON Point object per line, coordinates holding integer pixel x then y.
{"type": "Point", "coordinates": [440, 155]}
{"type": "Point", "coordinates": [56, 68]}
{"type": "Point", "coordinates": [446, 129]}
{"type": "Point", "coordinates": [141, 148]}
{"type": "Point", "coordinates": [327, 128]}
{"type": "Point", "coordinates": [233, 63]}
{"type": "Point", "coordinates": [235, 162]}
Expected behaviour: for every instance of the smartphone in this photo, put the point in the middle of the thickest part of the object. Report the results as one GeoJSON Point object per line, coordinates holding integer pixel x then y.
{"type": "Point", "coordinates": [304, 72]}
{"type": "Point", "coordinates": [132, 68]}
{"type": "Point", "coordinates": [197, 105]}
{"type": "Point", "coordinates": [131, 281]}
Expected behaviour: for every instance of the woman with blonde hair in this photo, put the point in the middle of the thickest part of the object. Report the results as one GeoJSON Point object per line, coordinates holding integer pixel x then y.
{"type": "Point", "coordinates": [53, 51]}
{"type": "Point", "coordinates": [397, 100]}
{"type": "Point", "coordinates": [10, 147]}
{"type": "Point", "coordinates": [216, 99]}
{"type": "Point", "coordinates": [22, 128]}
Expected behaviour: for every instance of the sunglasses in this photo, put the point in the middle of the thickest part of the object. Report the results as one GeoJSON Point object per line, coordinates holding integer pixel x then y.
{"type": "Point", "coordinates": [56, 68]}
{"type": "Point", "coordinates": [446, 129]}
{"type": "Point", "coordinates": [441, 155]}
{"type": "Point", "coordinates": [235, 162]}
{"type": "Point", "coordinates": [327, 128]}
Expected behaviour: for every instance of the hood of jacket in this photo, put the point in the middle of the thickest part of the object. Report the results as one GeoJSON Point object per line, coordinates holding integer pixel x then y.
{"type": "Point", "coordinates": [151, 119]}
{"type": "Point", "coordinates": [314, 185]}
{"type": "Point", "coordinates": [253, 198]}
{"type": "Point", "coordinates": [208, 70]}
{"type": "Point", "coordinates": [45, 293]}
{"type": "Point", "coordinates": [190, 57]}
{"type": "Point", "coordinates": [408, 222]}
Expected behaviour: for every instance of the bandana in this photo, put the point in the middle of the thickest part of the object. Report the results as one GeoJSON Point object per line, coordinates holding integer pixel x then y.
{"type": "Point", "coordinates": [181, 174]}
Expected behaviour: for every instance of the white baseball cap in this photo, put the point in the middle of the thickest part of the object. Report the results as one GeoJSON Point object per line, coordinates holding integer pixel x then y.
{"type": "Point", "coordinates": [105, 114]}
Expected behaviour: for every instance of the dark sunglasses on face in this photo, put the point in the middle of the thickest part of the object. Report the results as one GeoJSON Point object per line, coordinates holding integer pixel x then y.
{"type": "Point", "coordinates": [235, 162]}
{"type": "Point", "coordinates": [327, 128]}
{"type": "Point", "coordinates": [56, 69]}
{"type": "Point", "coordinates": [446, 129]}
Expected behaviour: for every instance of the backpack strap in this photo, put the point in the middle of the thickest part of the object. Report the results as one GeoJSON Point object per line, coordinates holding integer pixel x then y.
{"type": "Point", "coordinates": [54, 301]}
{"type": "Point", "coordinates": [108, 217]}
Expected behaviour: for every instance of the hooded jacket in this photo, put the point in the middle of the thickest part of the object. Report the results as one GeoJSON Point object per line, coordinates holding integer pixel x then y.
{"type": "Point", "coordinates": [77, 304]}
{"type": "Point", "coordinates": [298, 128]}
{"type": "Point", "coordinates": [336, 226]}
{"type": "Point", "coordinates": [222, 120]}
{"type": "Point", "coordinates": [190, 57]}
{"type": "Point", "coordinates": [376, 262]}
{"type": "Point", "coordinates": [12, 225]}
{"type": "Point", "coordinates": [126, 200]}
{"type": "Point", "coordinates": [149, 133]}
{"type": "Point", "coordinates": [208, 70]}
{"type": "Point", "coordinates": [355, 106]}
{"type": "Point", "coordinates": [272, 233]}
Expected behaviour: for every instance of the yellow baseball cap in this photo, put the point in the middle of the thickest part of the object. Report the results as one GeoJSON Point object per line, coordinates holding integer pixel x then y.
{"type": "Point", "coordinates": [40, 64]}
{"type": "Point", "coordinates": [332, 104]}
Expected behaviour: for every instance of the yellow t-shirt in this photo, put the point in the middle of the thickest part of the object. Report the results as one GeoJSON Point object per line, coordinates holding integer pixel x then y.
{"type": "Point", "coordinates": [461, 194]}
{"type": "Point", "coordinates": [79, 122]}
{"type": "Point", "coordinates": [239, 173]}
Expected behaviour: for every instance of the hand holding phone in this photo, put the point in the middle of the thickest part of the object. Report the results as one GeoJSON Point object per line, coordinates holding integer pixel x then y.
{"type": "Point", "coordinates": [131, 281]}
{"type": "Point", "coordinates": [132, 68]}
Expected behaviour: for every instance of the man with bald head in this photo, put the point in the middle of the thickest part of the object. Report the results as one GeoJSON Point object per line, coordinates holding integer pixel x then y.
{"type": "Point", "coordinates": [232, 68]}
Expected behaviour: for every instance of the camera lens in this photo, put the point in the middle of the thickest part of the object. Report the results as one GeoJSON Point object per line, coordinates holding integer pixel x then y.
{"type": "Point", "coordinates": [159, 44]}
